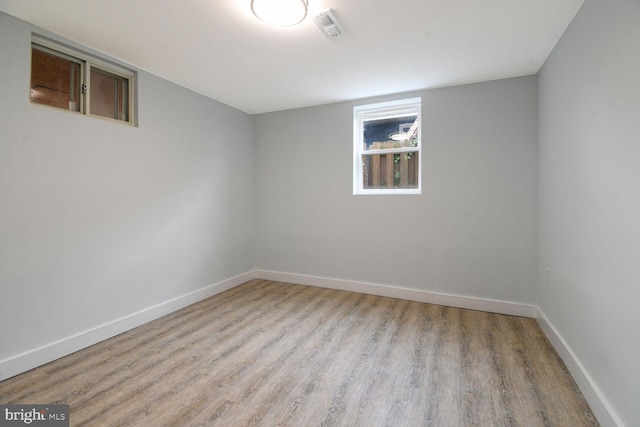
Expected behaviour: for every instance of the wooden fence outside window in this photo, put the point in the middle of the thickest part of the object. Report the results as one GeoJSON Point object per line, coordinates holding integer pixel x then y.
{"type": "Point", "coordinates": [390, 170]}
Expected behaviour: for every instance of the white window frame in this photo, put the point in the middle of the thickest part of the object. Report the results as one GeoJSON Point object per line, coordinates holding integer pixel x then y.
{"type": "Point", "coordinates": [384, 110]}
{"type": "Point", "coordinates": [87, 62]}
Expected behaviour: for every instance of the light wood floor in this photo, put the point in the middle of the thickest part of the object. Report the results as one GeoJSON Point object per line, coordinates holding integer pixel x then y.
{"type": "Point", "coordinates": [276, 354]}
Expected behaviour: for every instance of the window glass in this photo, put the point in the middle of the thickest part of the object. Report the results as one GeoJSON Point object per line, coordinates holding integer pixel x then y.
{"type": "Point", "coordinates": [109, 95]}
{"type": "Point", "coordinates": [393, 169]}
{"type": "Point", "coordinates": [55, 80]}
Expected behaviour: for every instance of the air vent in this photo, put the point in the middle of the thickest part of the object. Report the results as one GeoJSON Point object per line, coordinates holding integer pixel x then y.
{"type": "Point", "coordinates": [328, 24]}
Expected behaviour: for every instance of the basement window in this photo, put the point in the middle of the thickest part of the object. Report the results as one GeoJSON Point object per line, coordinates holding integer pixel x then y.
{"type": "Point", "coordinates": [71, 80]}
{"type": "Point", "coordinates": [387, 148]}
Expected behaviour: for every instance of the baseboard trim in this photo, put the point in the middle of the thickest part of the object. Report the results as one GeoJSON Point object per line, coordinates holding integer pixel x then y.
{"type": "Point", "coordinates": [49, 352]}
{"type": "Point", "coordinates": [472, 303]}
{"type": "Point", "coordinates": [597, 401]}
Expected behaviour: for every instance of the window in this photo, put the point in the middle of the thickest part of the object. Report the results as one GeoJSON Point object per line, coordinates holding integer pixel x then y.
{"type": "Point", "coordinates": [68, 79]}
{"type": "Point", "coordinates": [387, 148]}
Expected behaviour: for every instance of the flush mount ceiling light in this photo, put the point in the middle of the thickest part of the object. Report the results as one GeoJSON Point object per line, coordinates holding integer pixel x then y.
{"type": "Point", "coordinates": [280, 12]}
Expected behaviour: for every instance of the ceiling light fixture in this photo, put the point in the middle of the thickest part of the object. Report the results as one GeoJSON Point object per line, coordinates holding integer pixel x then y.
{"type": "Point", "coordinates": [280, 12]}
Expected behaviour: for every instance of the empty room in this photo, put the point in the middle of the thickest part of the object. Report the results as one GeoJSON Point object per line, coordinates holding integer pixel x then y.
{"type": "Point", "coordinates": [320, 212]}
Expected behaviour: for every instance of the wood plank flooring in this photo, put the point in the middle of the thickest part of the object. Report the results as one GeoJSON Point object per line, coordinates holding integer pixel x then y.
{"type": "Point", "coordinates": [276, 354]}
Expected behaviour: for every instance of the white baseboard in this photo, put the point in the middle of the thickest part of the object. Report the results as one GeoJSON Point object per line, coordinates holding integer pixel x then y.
{"type": "Point", "coordinates": [472, 303]}
{"type": "Point", "coordinates": [39, 356]}
{"type": "Point", "coordinates": [597, 401]}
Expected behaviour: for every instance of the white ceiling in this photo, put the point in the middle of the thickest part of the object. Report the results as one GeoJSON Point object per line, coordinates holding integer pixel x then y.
{"type": "Point", "coordinates": [218, 48]}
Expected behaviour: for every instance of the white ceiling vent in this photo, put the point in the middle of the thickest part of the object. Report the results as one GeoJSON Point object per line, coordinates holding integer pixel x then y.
{"type": "Point", "coordinates": [329, 25]}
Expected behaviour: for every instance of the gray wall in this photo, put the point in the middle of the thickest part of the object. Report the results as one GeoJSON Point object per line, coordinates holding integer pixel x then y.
{"type": "Point", "coordinates": [471, 232]}
{"type": "Point", "coordinates": [99, 220]}
{"type": "Point", "coordinates": [589, 196]}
